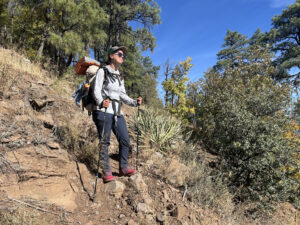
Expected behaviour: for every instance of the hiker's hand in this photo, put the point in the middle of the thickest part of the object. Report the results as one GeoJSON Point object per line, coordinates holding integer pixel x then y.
{"type": "Point", "coordinates": [105, 103]}
{"type": "Point", "coordinates": [139, 100]}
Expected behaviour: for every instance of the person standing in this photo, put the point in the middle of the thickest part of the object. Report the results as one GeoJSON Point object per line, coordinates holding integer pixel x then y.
{"type": "Point", "coordinates": [109, 94]}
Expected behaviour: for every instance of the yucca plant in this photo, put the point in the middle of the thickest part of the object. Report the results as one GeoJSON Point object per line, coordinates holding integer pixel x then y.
{"type": "Point", "coordinates": [161, 130]}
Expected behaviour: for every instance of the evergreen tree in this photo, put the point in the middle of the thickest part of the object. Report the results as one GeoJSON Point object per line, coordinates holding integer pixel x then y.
{"type": "Point", "coordinates": [61, 30]}
{"type": "Point", "coordinates": [233, 52]}
{"type": "Point", "coordinates": [285, 37]}
{"type": "Point", "coordinates": [140, 75]}
{"type": "Point", "coordinates": [297, 112]}
{"type": "Point", "coordinates": [4, 21]}
{"type": "Point", "coordinates": [258, 38]}
{"type": "Point", "coordinates": [121, 13]}
{"type": "Point", "coordinates": [193, 100]}
{"type": "Point", "coordinates": [121, 16]}
{"type": "Point", "coordinates": [242, 119]}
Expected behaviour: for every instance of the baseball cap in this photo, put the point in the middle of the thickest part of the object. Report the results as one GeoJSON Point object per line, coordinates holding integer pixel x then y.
{"type": "Point", "coordinates": [116, 48]}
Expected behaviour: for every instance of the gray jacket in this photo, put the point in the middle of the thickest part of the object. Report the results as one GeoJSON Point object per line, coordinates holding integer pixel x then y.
{"type": "Point", "coordinates": [112, 88]}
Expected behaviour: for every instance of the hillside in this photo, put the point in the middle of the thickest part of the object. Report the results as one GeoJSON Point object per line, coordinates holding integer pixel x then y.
{"type": "Point", "coordinates": [46, 179]}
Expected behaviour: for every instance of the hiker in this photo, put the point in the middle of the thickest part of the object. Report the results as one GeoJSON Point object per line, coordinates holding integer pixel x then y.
{"type": "Point", "coordinates": [109, 93]}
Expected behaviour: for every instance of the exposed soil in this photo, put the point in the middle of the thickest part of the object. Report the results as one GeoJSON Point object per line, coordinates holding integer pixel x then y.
{"type": "Point", "coordinates": [41, 182]}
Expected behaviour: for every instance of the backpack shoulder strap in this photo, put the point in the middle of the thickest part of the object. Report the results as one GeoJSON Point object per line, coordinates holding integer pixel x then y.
{"type": "Point", "coordinates": [105, 72]}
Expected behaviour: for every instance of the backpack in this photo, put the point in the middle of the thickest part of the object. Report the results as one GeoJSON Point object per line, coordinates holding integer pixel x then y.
{"type": "Point", "coordinates": [88, 67]}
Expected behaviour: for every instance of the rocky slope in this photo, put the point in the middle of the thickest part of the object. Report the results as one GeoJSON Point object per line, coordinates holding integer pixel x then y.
{"type": "Point", "coordinates": [41, 178]}
{"type": "Point", "coordinates": [42, 182]}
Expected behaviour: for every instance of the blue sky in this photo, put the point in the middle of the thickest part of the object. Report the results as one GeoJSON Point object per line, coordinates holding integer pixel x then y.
{"type": "Point", "coordinates": [197, 29]}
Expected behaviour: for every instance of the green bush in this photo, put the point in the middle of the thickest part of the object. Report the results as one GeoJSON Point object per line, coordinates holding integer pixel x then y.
{"type": "Point", "coordinates": [159, 128]}
{"type": "Point", "coordinates": [242, 119]}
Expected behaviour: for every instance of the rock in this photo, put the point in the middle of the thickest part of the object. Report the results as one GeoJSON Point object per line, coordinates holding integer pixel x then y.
{"type": "Point", "coordinates": [12, 138]}
{"type": "Point", "coordinates": [45, 175]}
{"type": "Point", "coordinates": [160, 217]}
{"type": "Point", "coordinates": [89, 223]}
{"type": "Point", "coordinates": [178, 211]}
{"type": "Point", "coordinates": [181, 212]}
{"type": "Point", "coordinates": [138, 182]}
{"type": "Point", "coordinates": [121, 216]}
{"type": "Point", "coordinates": [38, 104]}
{"type": "Point", "coordinates": [131, 222]}
{"type": "Point", "coordinates": [157, 158]}
{"type": "Point", "coordinates": [165, 194]}
{"type": "Point", "coordinates": [55, 190]}
{"type": "Point", "coordinates": [142, 207]}
{"type": "Point", "coordinates": [147, 199]}
{"type": "Point", "coordinates": [53, 145]}
{"type": "Point", "coordinates": [176, 173]}
{"type": "Point", "coordinates": [149, 219]}
{"type": "Point", "coordinates": [115, 188]}
{"type": "Point", "coordinates": [46, 119]}
{"type": "Point", "coordinates": [149, 163]}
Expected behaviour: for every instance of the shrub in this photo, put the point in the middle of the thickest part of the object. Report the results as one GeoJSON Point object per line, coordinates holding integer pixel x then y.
{"type": "Point", "coordinates": [242, 118]}
{"type": "Point", "coordinates": [80, 141]}
{"type": "Point", "coordinates": [208, 188]}
{"type": "Point", "coordinates": [161, 130]}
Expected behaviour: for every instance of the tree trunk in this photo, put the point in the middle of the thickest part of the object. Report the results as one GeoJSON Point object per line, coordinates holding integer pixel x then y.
{"type": "Point", "coordinates": [70, 58]}
{"type": "Point", "coordinates": [117, 31]}
{"type": "Point", "coordinates": [41, 48]}
{"type": "Point", "coordinates": [166, 79]}
{"type": "Point", "coordinates": [110, 28]}
{"type": "Point", "coordinates": [11, 30]}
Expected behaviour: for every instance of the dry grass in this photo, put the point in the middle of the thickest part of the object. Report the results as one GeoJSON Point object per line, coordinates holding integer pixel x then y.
{"type": "Point", "coordinates": [16, 70]}
{"type": "Point", "coordinates": [13, 67]}
{"type": "Point", "coordinates": [19, 215]}
{"type": "Point", "coordinates": [19, 63]}
{"type": "Point", "coordinates": [67, 84]}
{"type": "Point", "coordinates": [79, 136]}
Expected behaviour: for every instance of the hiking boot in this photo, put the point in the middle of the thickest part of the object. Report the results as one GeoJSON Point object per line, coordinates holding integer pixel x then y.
{"type": "Point", "coordinates": [127, 171]}
{"type": "Point", "coordinates": [108, 177]}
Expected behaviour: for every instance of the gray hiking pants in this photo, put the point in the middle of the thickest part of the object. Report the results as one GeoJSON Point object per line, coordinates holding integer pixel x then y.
{"type": "Point", "coordinates": [121, 133]}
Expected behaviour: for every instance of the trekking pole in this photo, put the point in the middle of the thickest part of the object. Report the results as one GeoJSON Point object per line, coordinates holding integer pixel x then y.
{"type": "Point", "coordinates": [100, 148]}
{"type": "Point", "coordinates": [137, 138]}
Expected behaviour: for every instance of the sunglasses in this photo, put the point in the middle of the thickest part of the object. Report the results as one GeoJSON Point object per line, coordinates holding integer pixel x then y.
{"type": "Point", "coordinates": [120, 54]}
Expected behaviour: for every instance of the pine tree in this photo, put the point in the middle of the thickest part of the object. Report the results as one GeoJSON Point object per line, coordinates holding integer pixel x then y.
{"type": "Point", "coordinates": [4, 21]}
{"type": "Point", "coordinates": [59, 29]}
{"type": "Point", "coordinates": [119, 30]}
{"type": "Point", "coordinates": [121, 13]}
{"type": "Point", "coordinates": [297, 112]}
{"type": "Point", "coordinates": [241, 118]}
{"type": "Point", "coordinates": [285, 37]}
{"type": "Point", "coordinates": [167, 73]}
{"type": "Point", "coordinates": [233, 52]}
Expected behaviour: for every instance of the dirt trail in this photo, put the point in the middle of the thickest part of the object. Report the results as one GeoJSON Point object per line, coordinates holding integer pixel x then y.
{"type": "Point", "coordinates": [42, 182]}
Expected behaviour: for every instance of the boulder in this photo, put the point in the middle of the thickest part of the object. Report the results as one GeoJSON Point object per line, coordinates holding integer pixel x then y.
{"type": "Point", "coordinates": [131, 222]}
{"type": "Point", "coordinates": [138, 182]}
{"type": "Point", "coordinates": [144, 208]}
{"type": "Point", "coordinates": [115, 188]}
{"type": "Point", "coordinates": [176, 173]}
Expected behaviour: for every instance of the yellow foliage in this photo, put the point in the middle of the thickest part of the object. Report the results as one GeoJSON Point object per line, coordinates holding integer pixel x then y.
{"type": "Point", "coordinates": [177, 87]}
{"type": "Point", "coordinates": [294, 138]}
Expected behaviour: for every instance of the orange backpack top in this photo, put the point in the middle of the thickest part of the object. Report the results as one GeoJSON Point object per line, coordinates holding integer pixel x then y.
{"type": "Point", "coordinates": [82, 65]}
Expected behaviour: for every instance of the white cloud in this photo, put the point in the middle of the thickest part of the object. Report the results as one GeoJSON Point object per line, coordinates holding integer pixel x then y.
{"type": "Point", "coordinates": [281, 3]}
